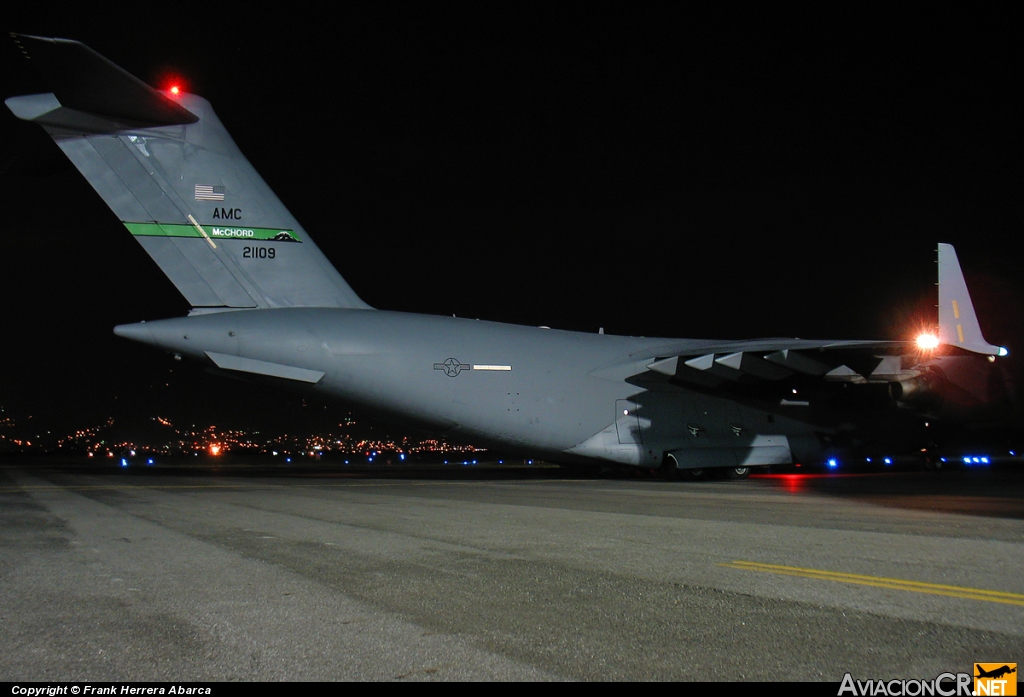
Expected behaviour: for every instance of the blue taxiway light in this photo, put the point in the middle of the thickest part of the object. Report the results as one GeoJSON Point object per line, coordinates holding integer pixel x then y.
{"type": "Point", "coordinates": [833, 463]}
{"type": "Point", "coordinates": [124, 463]}
{"type": "Point", "coordinates": [888, 461]}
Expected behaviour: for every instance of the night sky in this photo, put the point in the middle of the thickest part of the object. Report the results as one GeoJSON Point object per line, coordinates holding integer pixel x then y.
{"type": "Point", "coordinates": [728, 175]}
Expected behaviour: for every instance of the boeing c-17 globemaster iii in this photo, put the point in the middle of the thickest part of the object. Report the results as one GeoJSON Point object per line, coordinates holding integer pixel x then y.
{"type": "Point", "coordinates": [268, 306]}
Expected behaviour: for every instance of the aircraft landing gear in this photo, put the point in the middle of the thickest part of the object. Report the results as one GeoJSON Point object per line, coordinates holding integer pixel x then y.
{"type": "Point", "coordinates": [668, 470]}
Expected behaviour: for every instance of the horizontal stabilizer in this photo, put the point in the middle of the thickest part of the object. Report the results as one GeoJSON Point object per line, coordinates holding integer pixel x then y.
{"type": "Point", "coordinates": [274, 370]}
{"type": "Point", "coordinates": [83, 80]}
{"type": "Point", "coordinates": [958, 323]}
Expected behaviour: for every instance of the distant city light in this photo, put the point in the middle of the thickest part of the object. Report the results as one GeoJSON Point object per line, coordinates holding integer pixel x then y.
{"type": "Point", "coordinates": [216, 441]}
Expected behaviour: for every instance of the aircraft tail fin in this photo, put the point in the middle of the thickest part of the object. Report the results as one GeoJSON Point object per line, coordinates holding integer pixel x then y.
{"type": "Point", "coordinates": [167, 167]}
{"type": "Point", "coordinates": [958, 322]}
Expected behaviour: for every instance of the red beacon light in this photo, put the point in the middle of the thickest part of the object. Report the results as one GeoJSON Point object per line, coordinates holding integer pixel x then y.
{"type": "Point", "coordinates": [173, 85]}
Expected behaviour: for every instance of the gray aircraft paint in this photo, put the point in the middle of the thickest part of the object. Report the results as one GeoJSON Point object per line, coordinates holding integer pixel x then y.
{"type": "Point", "coordinates": [148, 177]}
{"type": "Point", "coordinates": [563, 394]}
{"type": "Point", "coordinates": [269, 307]}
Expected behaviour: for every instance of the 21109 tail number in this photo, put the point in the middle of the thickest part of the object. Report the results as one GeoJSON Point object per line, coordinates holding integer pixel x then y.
{"type": "Point", "coordinates": [259, 252]}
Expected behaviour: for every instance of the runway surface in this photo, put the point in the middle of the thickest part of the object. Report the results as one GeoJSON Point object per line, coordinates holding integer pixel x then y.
{"type": "Point", "coordinates": [194, 575]}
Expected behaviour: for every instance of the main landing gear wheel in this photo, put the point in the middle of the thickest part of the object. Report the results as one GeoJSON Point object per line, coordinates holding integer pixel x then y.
{"type": "Point", "coordinates": [737, 472]}
{"type": "Point", "coordinates": [694, 474]}
{"type": "Point", "coordinates": [668, 470]}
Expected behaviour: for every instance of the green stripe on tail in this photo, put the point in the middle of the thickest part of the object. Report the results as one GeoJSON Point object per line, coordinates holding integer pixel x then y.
{"type": "Point", "coordinates": [216, 232]}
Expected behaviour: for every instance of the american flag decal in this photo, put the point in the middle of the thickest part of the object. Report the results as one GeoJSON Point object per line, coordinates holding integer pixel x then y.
{"type": "Point", "coordinates": [205, 192]}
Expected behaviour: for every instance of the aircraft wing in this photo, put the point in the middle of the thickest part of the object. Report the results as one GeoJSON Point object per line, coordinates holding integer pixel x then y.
{"type": "Point", "coordinates": [768, 360]}
{"type": "Point", "coordinates": [713, 364]}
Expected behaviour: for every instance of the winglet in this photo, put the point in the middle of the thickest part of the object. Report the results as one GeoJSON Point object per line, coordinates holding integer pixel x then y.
{"type": "Point", "coordinates": [958, 323]}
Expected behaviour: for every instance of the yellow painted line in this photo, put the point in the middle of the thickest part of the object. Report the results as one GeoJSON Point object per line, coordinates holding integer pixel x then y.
{"type": "Point", "coordinates": [960, 332]}
{"type": "Point", "coordinates": [883, 582]}
{"type": "Point", "coordinates": [203, 232]}
{"type": "Point", "coordinates": [956, 310]}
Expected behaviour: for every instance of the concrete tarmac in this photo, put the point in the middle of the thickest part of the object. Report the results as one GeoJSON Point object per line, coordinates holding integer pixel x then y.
{"type": "Point", "coordinates": [192, 575]}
